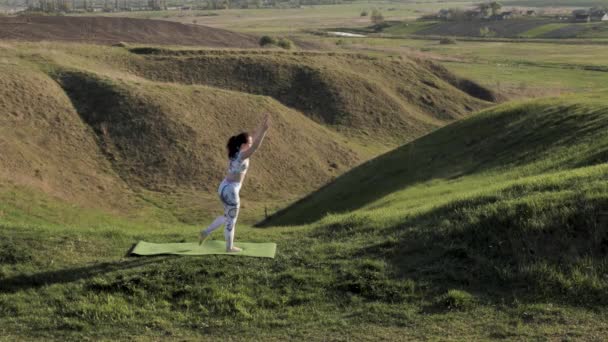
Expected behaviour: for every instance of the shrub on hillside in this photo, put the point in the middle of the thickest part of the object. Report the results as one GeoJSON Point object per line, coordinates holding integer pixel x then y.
{"type": "Point", "coordinates": [12, 253]}
{"type": "Point", "coordinates": [486, 32]}
{"type": "Point", "coordinates": [380, 27]}
{"type": "Point", "coordinates": [377, 17]}
{"type": "Point", "coordinates": [364, 13]}
{"type": "Point", "coordinates": [455, 300]}
{"type": "Point", "coordinates": [285, 43]}
{"type": "Point", "coordinates": [446, 41]}
{"type": "Point", "coordinates": [267, 40]}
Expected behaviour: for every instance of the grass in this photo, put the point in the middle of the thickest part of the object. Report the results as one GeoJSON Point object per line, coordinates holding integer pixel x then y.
{"type": "Point", "coordinates": [155, 95]}
{"type": "Point", "coordinates": [181, 118]}
{"type": "Point", "coordinates": [489, 228]}
{"type": "Point", "coordinates": [409, 27]}
{"type": "Point", "coordinates": [556, 54]}
{"type": "Point", "coordinates": [539, 31]}
{"type": "Point", "coordinates": [511, 69]}
{"type": "Point", "coordinates": [556, 3]}
{"type": "Point", "coordinates": [595, 31]}
{"type": "Point", "coordinates": [452, 236]}
{"type": "Point", "coordinates": [530, 81]}
{"type": "Point", "coordinates": [525, 29]}
{"type": "Point", "coordinates": [456, 157]}
{"type": "Point", "coordinates": [292, 20]}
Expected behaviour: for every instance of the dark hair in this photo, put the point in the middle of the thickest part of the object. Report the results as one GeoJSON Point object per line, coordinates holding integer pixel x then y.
{"type": "Point", "coordinates": [235, 142]}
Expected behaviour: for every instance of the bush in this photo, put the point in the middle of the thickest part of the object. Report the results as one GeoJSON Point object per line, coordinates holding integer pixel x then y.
{"type": "Point", "coordinates": [364, 13]}
{"type": "Point", "coordinates": [455, 300]}
{"type": "Point", "coordinates": [267, 40]}
{"type": "Point", "coordinates": [285, 43]}
{"type": "Point", "coordinates": [12, 252]}
{"type": "Point", "coordinates": [377, 17]}
{"type": "Point", "coordinates": [486, 32]}
{"type": "Point", "coordinates": [446, 41]}
{"type": "Point", "coordinates": [380, 26]}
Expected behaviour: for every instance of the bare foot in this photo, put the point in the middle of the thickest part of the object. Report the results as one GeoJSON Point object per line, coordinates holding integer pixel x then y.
{"type": "Point", "coordinates": [202, 236]}
{"type": "Point", "coordinates": [233, 250]}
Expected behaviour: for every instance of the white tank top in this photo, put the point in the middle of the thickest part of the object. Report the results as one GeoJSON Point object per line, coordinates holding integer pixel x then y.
{"type": "Point", "coordinates": [236, 165]}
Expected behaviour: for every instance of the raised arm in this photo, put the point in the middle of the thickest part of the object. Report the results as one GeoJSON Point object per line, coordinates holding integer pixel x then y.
{"type": "Point", "coordinates": [258, 137]}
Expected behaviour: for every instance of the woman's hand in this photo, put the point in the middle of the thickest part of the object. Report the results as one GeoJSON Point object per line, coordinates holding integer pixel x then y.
{"type": "Point", "coordinates": [260, 132]}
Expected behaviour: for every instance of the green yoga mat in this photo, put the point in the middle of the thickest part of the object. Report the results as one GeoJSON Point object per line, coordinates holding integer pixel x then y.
{"type": "Point", "coordinates": [262, 250]}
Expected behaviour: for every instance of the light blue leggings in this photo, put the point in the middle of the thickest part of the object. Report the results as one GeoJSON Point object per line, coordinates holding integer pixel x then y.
{"type": "Point", "coordinates": [229, 195]}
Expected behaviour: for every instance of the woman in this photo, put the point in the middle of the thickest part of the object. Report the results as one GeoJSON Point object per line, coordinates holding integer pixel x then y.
{"type": "Point", "coordinates": [240, 148]}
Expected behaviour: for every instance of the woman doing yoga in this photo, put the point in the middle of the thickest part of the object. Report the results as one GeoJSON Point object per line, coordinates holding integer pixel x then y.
{"type": "Point", "coordinates": [240, 148]}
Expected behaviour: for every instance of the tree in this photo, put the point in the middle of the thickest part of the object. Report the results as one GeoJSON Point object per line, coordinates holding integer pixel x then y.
{"type": "Point", "coordinates": [456, 14]}
{"type": "Point", "coordinates": [267, 40]}
{"type": "Point", "coordinates": [486, 32]}
{"type": "Point", "coordinates": [484, 8]}
{"type": "Point", "coordinates": [377, 17]}
{"type": "Point", "coordinates": [495, 6]}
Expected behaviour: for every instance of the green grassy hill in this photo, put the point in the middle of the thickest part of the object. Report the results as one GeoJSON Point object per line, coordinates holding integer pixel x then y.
{"type": "Point", "coordinates": [485, 229]}
{"type": "Point", "coordinates": [503, 143]}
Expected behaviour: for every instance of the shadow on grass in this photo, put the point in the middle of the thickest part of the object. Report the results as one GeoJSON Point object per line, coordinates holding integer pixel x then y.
{"type": "Point", "coordinates": [32, 281]}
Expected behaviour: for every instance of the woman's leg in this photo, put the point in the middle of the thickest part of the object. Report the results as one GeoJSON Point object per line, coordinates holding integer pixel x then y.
{"type": "Point", "coordinates": [229, 193]}
{"type": "Point", "coordinates": [230, 213]}
{"type": "Point", "coordinates": [220, 220]}
{"type": "Point", "coordinates": [204, 234]}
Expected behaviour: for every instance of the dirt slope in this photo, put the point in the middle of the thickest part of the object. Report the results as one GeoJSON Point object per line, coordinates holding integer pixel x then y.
{"type": "Point", "coordinates": [371, 99]}
{"type": "Point", "coordinates": [106, 30]}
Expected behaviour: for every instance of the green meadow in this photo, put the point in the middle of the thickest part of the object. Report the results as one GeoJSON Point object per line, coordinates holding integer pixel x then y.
{"type": "Point", "coordinates": [293, 20]}
{"type": "Point", "coordinates": [404, 206]}
{"type": "Point", "coordinates": [515, 69]}
{"type": "Point", "coordinates": [488, 228]}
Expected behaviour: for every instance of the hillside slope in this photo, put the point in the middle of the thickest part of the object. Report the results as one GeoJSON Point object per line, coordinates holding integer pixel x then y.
{"type": "Point", "coordinates": [161, 136]}
{"type": "Point", "coordinates": [97, 142]}
{"type": "Point", "coordinates": [364, 97]}
{"type": "Point", "coordinates": [46, 146]}
{"type": "Point", "coordinates": [506, 141]}
{"type": "Point", "coordinates": [511, 201]}
{"type": "Point", "coordinates": [490, 228]}
{"type": "Point", "coordinates": [106, 30]}
{"type": "Point", "coordinates": [158, 122]}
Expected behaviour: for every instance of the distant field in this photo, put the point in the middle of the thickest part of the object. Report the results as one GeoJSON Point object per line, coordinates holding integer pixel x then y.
{"type": "Point", "coordinates": [540, 53]}
{"type": "Point", "coordinates": [554, 3]}
{"type": "Point", "coordinates": [542, 30]}
{"type": "Point", "coordinates": [514, 69]}
{"type": "Point", "coordinates": [502, 28]}
{"type": "Point", "coordinates": [297, 19]}
{"type": "Point", "coordinates": [515, 28]}
{"type": "Point", "coordinates": [530, 81]}
{"type": "Point", "coordinates": [599, 31]}
{"type": "Point", "coordinates": [408, 27]}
